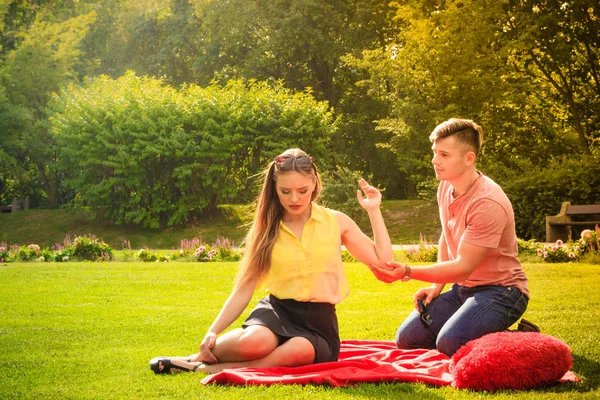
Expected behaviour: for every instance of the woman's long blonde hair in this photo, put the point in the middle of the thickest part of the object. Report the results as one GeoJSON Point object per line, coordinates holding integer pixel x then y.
{"type": "Point", "coordinates": [269, 212]}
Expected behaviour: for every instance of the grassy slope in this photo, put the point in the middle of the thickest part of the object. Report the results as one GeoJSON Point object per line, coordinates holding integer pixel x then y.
{"type": "Point", "coordinates": [87, 330]}
{"type": "Point", "coordinates": [46, 227]}
{"type": "Point", "coordinates": [405, 220]}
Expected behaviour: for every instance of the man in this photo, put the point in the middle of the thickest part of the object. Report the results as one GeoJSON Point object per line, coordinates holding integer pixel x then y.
{"type": "Point", "coordinates": [477, 252]}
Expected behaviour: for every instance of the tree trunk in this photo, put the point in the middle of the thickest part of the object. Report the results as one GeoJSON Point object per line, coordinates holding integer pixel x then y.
{"type": "Point", "coordinates": [49, 180]}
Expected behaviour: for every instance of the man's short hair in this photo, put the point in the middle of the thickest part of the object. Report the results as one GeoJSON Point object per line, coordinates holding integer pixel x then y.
{"type": "Point", "coordinates": [465, 131]}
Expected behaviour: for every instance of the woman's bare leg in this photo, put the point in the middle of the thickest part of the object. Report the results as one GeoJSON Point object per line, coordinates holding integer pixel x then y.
{"type": "Point", "coordinates": [250, 343]}
{"type": "Point", "coordinates": [295, 352]}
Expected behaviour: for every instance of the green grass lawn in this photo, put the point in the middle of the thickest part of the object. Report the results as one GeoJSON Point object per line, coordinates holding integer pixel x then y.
{"type": "Point", "coordinates": [88, 330]}
{"type": "Point", "coordinates": [406, 219]}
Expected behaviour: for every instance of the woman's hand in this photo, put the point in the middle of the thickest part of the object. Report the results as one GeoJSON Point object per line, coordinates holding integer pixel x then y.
{"type": "Point", "coordinates": [392, 271]}
{"type": "Point", "coordinates": [206, 355]}
{"type": "Point", "coordinates": [373, 196]}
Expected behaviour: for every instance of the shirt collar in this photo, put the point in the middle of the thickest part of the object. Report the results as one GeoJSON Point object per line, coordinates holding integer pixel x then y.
{"type": "Point", "coordinates": [462, 197]}
{"type": "Point", "coordinates": [316, 212]}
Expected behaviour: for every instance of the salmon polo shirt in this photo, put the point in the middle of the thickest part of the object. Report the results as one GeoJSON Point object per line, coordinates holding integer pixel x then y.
{"type": "Point", "coordinates": [309, 269]}
{"type": "Point", "coordinates": [483, 217]}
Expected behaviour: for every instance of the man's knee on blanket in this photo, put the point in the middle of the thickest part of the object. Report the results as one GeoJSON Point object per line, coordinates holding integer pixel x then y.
{"type": "Point", "coordinates": [449, 344]}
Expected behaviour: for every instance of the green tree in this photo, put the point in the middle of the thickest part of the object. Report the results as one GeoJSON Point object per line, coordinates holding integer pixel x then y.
{"type": "Point", "coordinates": [46, 59]}
{"type": "Point", "coordinates": [461, 59]}
{"type": "Point", "coordinates": [300, 42]}
{"type": "Point", "coordinates": [558, 42]}
{"type": "Point", "coordinates": [161, 39]}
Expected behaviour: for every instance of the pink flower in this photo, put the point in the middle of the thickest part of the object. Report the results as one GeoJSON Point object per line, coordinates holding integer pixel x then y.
{"type": "Point", "coordinates": [540, 252]}
{"type": "Point", "coordinates": [1, 260]}
{"type": "Point", "coordinates": [571, 255]}
{"type": "Point", "coordinates": [202, 249]}
{"type": "Point", "coordinates": [545, 254]}
{"type": "Point", "coordinates": [586, 233]}
{"type": "Point", "coordinates": [2, 249]}
{"type": "Point", "coordinates": [559, 242]}
{"type": "Point", "coordinates": [576, 248]}
{"type": "Point", "coordinates": [197, 254]}
{"type": "Point", "coordinates": [554, 248]}
{"type": "Point", "coordinates": [212, 252]}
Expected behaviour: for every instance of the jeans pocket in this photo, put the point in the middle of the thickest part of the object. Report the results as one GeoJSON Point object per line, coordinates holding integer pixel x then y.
{"type": "Point", "coordinates": [519, 307]}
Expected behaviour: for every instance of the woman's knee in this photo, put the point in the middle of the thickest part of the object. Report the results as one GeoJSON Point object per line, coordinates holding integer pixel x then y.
{"type": "Point", "coordinates": [302, 352]}
{"type": "Point", "coordinates": [257, 343]}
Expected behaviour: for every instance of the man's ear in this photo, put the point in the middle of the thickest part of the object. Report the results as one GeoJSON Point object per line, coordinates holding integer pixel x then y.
{"type": "Point", "coordinates": [471, 157]}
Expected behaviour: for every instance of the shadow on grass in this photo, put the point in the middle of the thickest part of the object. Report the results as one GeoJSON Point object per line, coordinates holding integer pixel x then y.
{"type": "Point", "coordinates": [591, 369]}
{"type": "Point", "coordinates": [590, 381]}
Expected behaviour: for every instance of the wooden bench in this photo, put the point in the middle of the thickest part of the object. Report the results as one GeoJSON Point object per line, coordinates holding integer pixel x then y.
{"type": "Point", "coordinates": [17, 204]}
{"type": "Point", "coordinates": [559, 226]}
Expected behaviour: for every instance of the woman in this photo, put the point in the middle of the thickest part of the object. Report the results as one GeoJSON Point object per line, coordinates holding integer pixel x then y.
{"type": "Point", "coordinates": [294, 248]}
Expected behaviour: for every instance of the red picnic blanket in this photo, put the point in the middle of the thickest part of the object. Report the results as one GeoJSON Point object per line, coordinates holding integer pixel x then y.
{"type": "Point", "coordinates": [360, 361]}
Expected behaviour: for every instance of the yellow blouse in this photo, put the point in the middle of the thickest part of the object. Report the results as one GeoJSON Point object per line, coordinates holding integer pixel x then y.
{"type": "Point", "coordinates": [309, 269]}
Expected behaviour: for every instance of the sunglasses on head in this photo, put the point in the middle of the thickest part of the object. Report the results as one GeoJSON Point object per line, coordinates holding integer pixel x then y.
{"type": "Point", "coordinates": [288, 160]}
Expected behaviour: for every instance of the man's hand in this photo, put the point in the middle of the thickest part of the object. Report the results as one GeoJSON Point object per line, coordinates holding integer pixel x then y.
{"type": "Point", "coordinates": [392, 271]}
{"type": "Point", "coordinates": [427, 295]}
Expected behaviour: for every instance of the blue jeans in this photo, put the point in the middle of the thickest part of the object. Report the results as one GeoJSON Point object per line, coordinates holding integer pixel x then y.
{"type": "Point", "coordinates": [461, 315]}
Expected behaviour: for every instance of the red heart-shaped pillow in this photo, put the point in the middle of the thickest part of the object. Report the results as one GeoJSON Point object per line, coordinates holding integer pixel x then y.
{"type": "Point", "coordinates": [510, 360]}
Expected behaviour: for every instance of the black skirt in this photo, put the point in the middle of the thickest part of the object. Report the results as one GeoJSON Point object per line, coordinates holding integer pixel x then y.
{"type": "Point", "coordinates": [317, 322]}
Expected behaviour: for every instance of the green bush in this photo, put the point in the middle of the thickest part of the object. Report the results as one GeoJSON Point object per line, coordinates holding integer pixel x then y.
{"type": "Point", "coordinates": [30, 252]}
{"type": "Point", "coordinates": [526, 247]}
{"type": "Point", "coordinates": [47, 255]}
{"type": "Point", "coordinates": [225, 250]}
{"type": "Point", "coordinates": [91, 249]}
{"type": "Point", "coordinates": [194, 249]}
{"type": "Point", "coordinates": [145, 256]}
{"type": "Point", "coordinates": [4, 255]}
{"type": "Point", "coordinates": [542, 191]}
{"type": "Point", "coordinates": [586, 248]}
{"type": "Point", "coordinates": [423, 254]}
{"type": "Point", "coordinates": [63, 255]}
{"type": "Point", "coordinates": [426, 252]}
{"type": "Point", "coordinates": [151, 155]}
{"type": "Point", "coordinates": [559, 252]}
{"type": "Point", "coordinates": [590, 241]}
{"type": "Point", "coordinates": [83, 248]}
{"type": "Point", "coordinates": [205, 253]}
